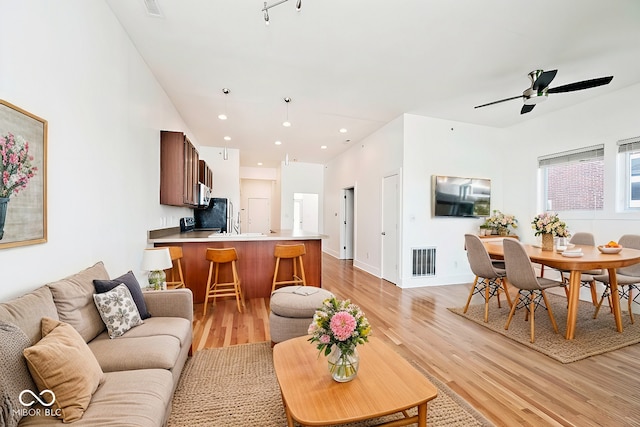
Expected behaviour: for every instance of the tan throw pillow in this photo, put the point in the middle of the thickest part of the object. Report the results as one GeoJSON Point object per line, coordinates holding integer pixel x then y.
{"type": "Point", "coordinates": [62, 362]}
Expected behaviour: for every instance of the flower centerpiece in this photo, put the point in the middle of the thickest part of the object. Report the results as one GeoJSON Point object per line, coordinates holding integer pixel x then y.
{"type": "Point", "coordinates": [16, 169]}
{"type": "Point", "coordinates": [501, 222]}
{"type": "Point", "coordinates": [549, 225]}
{"type": "Point", "coordinates": [337, 328]}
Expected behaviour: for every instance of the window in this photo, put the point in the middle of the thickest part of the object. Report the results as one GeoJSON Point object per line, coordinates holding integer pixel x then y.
{"type": "Point", "coordinates": [573, 180]}
{"type": "Point", "coordinates": [629, 156]}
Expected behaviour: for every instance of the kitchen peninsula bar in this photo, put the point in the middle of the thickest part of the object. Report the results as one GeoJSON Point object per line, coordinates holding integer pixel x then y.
{"type": "Point", "coordinates": [256, 262]}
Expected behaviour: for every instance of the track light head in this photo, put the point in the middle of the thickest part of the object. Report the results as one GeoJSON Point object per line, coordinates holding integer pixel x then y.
{"type": "Point", "coordinates": [299, 5]}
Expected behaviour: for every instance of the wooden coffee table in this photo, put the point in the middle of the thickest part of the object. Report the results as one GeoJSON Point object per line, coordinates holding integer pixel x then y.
{"type": "Point", "coordinates": [386, 384]}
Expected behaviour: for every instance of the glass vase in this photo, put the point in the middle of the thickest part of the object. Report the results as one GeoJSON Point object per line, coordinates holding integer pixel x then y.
{"type": "Point", "coordinates": [343, 366]}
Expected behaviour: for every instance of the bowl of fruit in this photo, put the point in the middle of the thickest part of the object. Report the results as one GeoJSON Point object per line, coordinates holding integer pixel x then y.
{"type": "Point", "coordinates": [610, 248]}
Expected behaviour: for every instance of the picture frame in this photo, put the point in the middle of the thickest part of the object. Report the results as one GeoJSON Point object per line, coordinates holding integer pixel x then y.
{"type": "Point", "coordinates": [23, 177]}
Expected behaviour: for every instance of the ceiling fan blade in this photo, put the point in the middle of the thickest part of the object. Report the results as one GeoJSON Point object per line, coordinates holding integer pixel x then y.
{"type": "Point", "coordinates": [497, 102]}
{"type": "Point", "coordinates": [585, 84]}
{"type": "Point", "coordinates": [526, 108]}
{"type": "Point", "coordinates": [544, 79]}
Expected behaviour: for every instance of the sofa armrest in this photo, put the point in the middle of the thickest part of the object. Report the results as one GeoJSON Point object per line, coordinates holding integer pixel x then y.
{"type": "Point", "coordinates": [170, 303]}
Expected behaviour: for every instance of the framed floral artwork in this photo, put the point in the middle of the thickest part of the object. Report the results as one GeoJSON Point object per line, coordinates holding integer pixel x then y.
{"type": "Point", "coordinates": [23, 177]}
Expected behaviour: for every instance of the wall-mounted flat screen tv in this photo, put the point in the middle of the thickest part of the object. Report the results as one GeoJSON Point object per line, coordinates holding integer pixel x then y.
{"type": "Point", "coordinates": [458, 196]}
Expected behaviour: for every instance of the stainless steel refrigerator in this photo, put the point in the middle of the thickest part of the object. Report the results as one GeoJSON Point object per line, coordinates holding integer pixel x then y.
{"type": "Point", "coordinates": [214, 217]}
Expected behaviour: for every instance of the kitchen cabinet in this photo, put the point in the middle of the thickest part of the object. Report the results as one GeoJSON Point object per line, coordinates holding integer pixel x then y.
{"type": "Point", "coordinates": [179, 169]}
{"type": "Point", "coordinates": [205, 174]}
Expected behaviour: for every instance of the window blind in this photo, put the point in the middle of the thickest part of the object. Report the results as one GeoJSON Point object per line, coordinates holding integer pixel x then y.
{"type": "Point", "coordinates": [629, 144]}
{"type": "Point", "coordinates": [595, 152]}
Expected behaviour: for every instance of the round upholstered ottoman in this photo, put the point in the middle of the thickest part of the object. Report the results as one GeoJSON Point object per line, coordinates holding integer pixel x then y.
{"type": "Point", "coordinates": [292, 309]}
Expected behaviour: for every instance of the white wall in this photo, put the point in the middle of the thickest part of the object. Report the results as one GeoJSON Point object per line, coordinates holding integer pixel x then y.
{"type": "Point", "coordinates": [442, 147]}
{"type": "Point", "coordinates": [297, 177]}
{"type": "Point", "coordinates": [362, 167]}
{"type": "Point", "coordinates": [72, 64]}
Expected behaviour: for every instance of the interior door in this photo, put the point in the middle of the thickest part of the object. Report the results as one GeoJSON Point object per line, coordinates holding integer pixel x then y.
{"type": "Point", "coordinates": [390, 209]}
{"type": "Point", "coordinates": [347, 229]}
{"type": "Point", "coordinates": [258, 220]}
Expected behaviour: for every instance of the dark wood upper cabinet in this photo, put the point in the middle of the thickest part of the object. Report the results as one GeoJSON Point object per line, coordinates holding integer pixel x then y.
{"type": "Point", "coordinates": [205, 174]}
{"type": "Point", "coordinates": [179, 170]}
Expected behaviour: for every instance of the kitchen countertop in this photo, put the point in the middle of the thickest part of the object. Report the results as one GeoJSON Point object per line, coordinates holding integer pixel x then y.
{"type": "Point", "coordinates": [173, 235]}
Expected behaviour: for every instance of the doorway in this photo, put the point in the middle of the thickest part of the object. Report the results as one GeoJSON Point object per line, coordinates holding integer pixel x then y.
{"type": "Point", "coordinates": [305, 212]}
{"type": "Point", "coordinates": [390, 209]}
{"type": "Point", "coordinates": [348, 224]}
{"type": "Point", "coordinates": [258, 218]}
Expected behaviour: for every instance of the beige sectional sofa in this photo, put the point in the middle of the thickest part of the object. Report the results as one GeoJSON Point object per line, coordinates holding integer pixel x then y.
{"type": "Point", "coordinates": [135, 375]}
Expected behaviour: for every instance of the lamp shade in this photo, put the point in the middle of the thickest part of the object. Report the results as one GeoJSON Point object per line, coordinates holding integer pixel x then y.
{"type": "Point", "coordinates": [156, 259]}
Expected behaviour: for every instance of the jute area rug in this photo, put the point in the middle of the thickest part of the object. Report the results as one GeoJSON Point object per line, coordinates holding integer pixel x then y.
{"type": "Point", "coordinates": [237, 386]}
{"type": "Point", "coordinates": [593, 336]}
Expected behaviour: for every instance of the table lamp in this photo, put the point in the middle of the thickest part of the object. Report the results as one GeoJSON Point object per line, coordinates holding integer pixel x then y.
{"type": "Point", "coordinates": [155, 261]}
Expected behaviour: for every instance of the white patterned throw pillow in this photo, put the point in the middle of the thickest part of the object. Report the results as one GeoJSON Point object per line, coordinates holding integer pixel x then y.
{"type": "Point", "coordinates": [118, 311]}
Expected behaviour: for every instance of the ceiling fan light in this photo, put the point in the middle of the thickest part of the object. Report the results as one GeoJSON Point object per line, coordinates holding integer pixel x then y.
{"type": "Point", "coordinates": [533, 97]}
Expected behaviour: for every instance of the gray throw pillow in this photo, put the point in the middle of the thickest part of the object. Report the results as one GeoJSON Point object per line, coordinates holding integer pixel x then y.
{"type": "Point", "coordinates": [14, 373]}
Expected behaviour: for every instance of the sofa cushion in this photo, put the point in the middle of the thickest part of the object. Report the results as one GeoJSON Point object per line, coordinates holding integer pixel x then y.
{"type": "Point", "coordinates": [26, 311]}
{"type": "Point", "coordinates": [14, 374]}
{"type": "Point", "coordinates": [73, 297]}
{"type": "Point", "coordinates": [118, 311]}
{"type": "Point", "coordinates": [134, 288]}
{"type": "Point", "coordinates": [174, 326]}
{"type": "Point", "coordinates": [131, 398]}
{"type": "Point", "coordinates": [62, 362]}
{"type": "Point", "coordinates": [124, 353]}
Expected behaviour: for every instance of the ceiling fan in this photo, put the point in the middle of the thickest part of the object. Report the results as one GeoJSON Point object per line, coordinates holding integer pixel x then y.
{"type": "Point", "coordinates": [540, 89]}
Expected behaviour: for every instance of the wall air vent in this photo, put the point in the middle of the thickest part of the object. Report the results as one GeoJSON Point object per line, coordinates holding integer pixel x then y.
{"type": "Point", "coordinates": [153, 8]}
{"type": "Point", "coordinates": [423, 262]}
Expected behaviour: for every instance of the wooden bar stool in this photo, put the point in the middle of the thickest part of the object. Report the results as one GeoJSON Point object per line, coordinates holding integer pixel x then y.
{"type": "Point", "coordinates": [215, 289]}
{"type": "Point", "coordinates": [294, 253]}
{"type": "Point", "coordinates": [176, 255]}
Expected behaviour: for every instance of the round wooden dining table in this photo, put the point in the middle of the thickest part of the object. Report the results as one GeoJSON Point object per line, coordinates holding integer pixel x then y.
{"type": "Point", "coordinates": [591, 259]}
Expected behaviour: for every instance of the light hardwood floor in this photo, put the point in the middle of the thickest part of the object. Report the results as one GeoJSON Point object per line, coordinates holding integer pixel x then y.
{"type": "Point", "coordinates": [509, 383]}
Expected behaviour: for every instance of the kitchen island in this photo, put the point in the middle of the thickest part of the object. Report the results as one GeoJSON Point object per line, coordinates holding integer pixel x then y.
{"type": "Point", "coordinates": [256, 262]}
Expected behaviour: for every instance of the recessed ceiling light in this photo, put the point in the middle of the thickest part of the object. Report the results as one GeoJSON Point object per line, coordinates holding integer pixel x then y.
{"type": "Point", "coordinates": [324, 147]}
{"type": "Point", "coordinates": [227, 138]}
{"type": "Point", "coordinates": [278, 142]}
{"type": "Point", "coordinates": [222, 116]}
{"type": "Point", "coordinates": [259, 163]}
{"type": "Point", "coordinates": [286, 124]}
{"type": "Point", "coordinates": [343, 130]}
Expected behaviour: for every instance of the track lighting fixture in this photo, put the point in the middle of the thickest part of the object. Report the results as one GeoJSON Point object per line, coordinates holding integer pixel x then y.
{"type": "Point", "coordinates": [286, 159]}
{"type": "Point", "coordinates": [225, 154]}
{"type": "Point", "coordinates": [287, 123]}
{"type": "Point", "coordinates": [266, 8]}
{"type": "Point", "coordinates": [223, 116]}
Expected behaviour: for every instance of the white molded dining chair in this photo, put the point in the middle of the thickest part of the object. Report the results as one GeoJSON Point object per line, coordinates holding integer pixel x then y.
{"type": "Point", "coordinates": [628, 278]}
